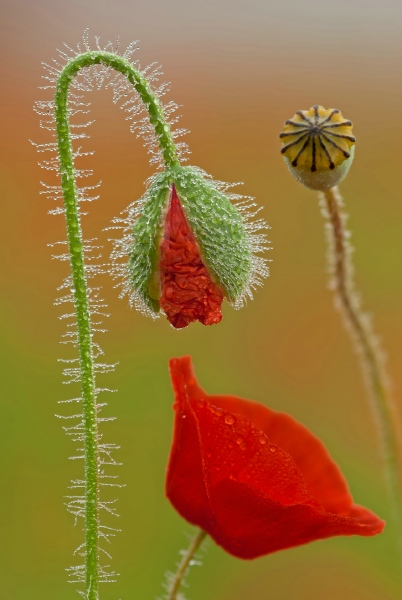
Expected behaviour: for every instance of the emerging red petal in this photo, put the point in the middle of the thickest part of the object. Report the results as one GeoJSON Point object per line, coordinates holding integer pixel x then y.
{"type": "Point", "coordinates": [256, 480]}
{"type": "Point", "coordinates": [188, 292]}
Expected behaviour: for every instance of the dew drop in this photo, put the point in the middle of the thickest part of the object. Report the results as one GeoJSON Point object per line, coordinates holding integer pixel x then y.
{"type": "Point", "coordinates": [215, 410]}
{"type": "Point", "coordinates": [229, 419]}
{"type": "Point", "coordinates": [239, 440]}
{"type": "Point", "coordinates": [263, 440]}
{"type": "Point", "coordinates": [273, 448]}
{"type": "Point", "coordinates": [243, 446]}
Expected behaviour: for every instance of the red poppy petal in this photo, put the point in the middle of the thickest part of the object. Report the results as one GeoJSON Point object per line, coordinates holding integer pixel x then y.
{"type": "Point", "coordinates": [185, 471]}
{"type": "Point", "coordinates": [270, 527]}
{"type": "Point", "coordinates": [246, 492]}
{"type": "Point", "coordinates": [232, 448]}
{"type": "Point", "coordinates": [321, 474]}
{"type": "Point", "coordinates": [187, 291]}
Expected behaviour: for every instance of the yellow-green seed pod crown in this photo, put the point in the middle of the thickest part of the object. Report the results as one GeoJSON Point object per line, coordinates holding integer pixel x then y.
{"type": "Point", "coordinates": [318, 146]}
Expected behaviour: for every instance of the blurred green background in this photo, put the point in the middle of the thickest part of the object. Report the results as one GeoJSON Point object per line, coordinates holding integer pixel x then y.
{"type": "Point", "coordinates": [239, 69]}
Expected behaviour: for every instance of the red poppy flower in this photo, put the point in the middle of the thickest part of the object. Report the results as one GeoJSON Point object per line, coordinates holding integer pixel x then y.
{"type": "Point", "coordinates": [254, 479]}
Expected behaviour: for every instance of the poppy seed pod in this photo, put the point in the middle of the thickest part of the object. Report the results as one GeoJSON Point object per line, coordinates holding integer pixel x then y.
{"type": "Point", "coordinates": [189, 247]}
{"type": "Point", "coordinates": [318, 147]}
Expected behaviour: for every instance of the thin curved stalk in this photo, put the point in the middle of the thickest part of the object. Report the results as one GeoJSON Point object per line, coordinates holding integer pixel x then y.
{"type": "Point", "coordinates": [81, 300]}
{"type": "Point", "coordinates": [184, 565]}
{"type": "Point", "coordinates": [360, 328]}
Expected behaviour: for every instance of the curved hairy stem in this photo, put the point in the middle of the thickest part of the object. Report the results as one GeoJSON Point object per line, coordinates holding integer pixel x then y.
{"type": "Point", "coordinates": [184, 565]}
{"type": "Point", "coordinates": [79, 279]}
{"type": "Point", "coordinates": [370, 355]}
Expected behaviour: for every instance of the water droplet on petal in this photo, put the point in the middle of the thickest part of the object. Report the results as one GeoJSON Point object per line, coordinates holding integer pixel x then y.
{"type": "Point", "coordinates": [273, 448]}
{"type": "Point", "coordinates": [239, 440]}
{"type": "Point", "coordinates": [262, 439]}
{"type": "Point", "coordinates": [229, 419]}
{"type": "Point", "coordinates": [243, 446]}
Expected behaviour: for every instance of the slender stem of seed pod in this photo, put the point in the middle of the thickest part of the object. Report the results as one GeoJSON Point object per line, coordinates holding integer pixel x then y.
{"type": "Point", "coordinates": [184, 565]}
{"type": "Point", "coordinates": [360, 328]}
{"type": "Point", "coordinates": [75, 242]}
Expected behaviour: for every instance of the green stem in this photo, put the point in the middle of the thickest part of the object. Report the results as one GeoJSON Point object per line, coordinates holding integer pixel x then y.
{"type": "Point", "coordinates": [81, 300]}
{"type": "Point", "coordinates": [370, 356]}
{"type": "Point", "coordinates": [184, 565]}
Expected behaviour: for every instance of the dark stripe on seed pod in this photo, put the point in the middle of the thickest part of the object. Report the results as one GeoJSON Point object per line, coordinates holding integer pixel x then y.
{"type": "Point", "coordinates": [294, 161]}
{"type": "Point", "coordinates": [283, 150]}
{"type": "Point", "coordinates": [300, 113]}
{"type": "Point", "coordinates": [282, 135]}
{"type": "Point", "coordinates": [345, 154]}
{"type": "Point", "coordinates": [327, 154]}
{"type": "Point", "coordinates": [290, 122]}
{"type": "Point", "coordinates": [313, 164]}
{"type": "Point", "coordinates": [341, 135]}
{"type": "Point", "coordinates": [334, 112]}
{"type": "Point", "coordinates": [343, 123]}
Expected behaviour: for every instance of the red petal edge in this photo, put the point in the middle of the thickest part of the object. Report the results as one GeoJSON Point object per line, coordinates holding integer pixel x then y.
{"type": "Point", "coordinates": [255, 480]}
{"type": "Point", "coordinates": [187, 292]}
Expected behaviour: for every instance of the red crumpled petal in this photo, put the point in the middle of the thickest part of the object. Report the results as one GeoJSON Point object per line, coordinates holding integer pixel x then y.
{"type": "Point", "coordinates": [254, 479]}
{"type": "Point", "coordinates": [188, 293]}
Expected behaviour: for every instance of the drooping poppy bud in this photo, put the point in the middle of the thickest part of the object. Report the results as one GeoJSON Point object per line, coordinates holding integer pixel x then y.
{"type": "Point", "coordinates": [255, 480]}
{"type": "Point", "coordinates": [190, 247]}
{"type": "Point", "coordinates": [318, 146]}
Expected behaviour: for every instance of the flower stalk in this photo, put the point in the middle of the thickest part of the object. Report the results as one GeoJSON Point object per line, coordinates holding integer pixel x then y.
{"type": "Point", "coordinates": [185, 563]}
{"type": "Point", "coordinates": [79, 277]}
{"type": "Point", "coordinates": [359, 326]}
{"type": "Point", "coordinates": [318, 148]}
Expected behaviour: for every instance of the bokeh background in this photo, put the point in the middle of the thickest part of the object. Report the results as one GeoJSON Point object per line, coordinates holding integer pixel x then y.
{"type": "Point", "coordinates": [239, 69]}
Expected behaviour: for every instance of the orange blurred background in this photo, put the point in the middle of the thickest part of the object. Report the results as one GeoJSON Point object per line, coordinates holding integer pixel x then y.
{"type": "Point", "coordinates": [239, 69]}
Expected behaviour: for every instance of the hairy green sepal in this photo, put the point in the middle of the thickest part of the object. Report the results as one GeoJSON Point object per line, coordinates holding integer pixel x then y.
{"type": "Point", "coordinates": [144, 256]}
